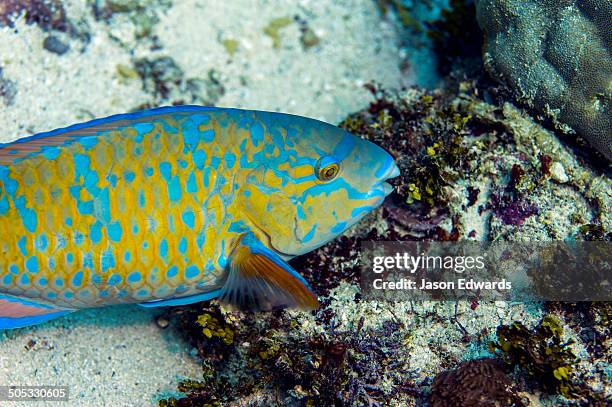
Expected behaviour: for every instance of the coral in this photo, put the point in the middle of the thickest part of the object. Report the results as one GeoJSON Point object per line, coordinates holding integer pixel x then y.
{"type": "Point", "coordinates": [561, 66]}
{"type": "Point", "coordinates": [542, 353]}
{"type": "Point", "coordinates": [425, 137]}
{"type": "Point", "coordinates": [449, 145]}
{"type": "Point", "coordinates": [475, 383]}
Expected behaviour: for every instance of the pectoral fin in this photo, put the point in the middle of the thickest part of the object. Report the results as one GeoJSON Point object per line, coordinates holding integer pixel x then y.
{"type": "Point", "coordinates": [259, 280]}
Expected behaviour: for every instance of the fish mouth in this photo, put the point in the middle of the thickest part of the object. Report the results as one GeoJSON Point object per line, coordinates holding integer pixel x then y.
{"type": "Point", "coordinates": [391, 172]}
{"type": "Point", "coordinates": [387, 188]}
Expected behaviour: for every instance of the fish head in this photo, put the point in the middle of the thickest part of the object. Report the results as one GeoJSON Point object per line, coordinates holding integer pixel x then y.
{"type": "Point", "coordinates": [320, 181]}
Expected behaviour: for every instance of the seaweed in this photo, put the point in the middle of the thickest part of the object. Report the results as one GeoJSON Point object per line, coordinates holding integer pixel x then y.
{"type": "Point", "coordinates": [594, 232]}
{"type": "Point", "coordinates": [331, 368]}
{"type": "Point", "coordinates": [425, 137]}
{"type": "Point", "coordinates": [512, 204]}
{"type": "Point", "coordinates": [542, 353]}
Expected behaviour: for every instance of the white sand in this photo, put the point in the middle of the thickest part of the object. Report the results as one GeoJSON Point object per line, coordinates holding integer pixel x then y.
{"type": "Point", "coordinates": [112, 356]}
{"type": "Point", "coordinates": [118, 356]}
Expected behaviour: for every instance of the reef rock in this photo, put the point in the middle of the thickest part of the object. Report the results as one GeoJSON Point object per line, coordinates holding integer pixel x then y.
{"type": "Point", "coordinates": [556, 57]}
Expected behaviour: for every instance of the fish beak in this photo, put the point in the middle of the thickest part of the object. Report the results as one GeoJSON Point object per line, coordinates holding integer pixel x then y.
{"type": "Point", "coordinates": [387, 188]}
{"type": "Point", "coordinates": [392, 172]}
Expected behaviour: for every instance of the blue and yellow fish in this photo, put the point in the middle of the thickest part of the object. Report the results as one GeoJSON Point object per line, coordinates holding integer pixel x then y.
{"type": "Point", "coordinates": [176, 205]}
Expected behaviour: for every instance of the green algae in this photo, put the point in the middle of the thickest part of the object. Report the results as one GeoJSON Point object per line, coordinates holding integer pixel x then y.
{"type": "Point", "coordinates": [230, 45]}
{"type": "Point", "coordinates": [542, 353]}
{"type": "Point", "coordinates": [212, 327]}
{"type": "Point", "coordinates": [274, 28]}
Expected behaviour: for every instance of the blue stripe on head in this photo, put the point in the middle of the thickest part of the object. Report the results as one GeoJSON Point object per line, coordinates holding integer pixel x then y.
{"type": "Point", "coordinates": [339, 227]}
{"type": "Point", "coordinates": [383, 169]}
{"type": "Point", "coordinates": [308, 237]}
{"type": "Point", "coordinates": [344, 147]}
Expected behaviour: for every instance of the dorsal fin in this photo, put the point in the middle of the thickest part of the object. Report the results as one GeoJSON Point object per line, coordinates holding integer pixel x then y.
{"type": "Point", "coordinates": [37, 143]}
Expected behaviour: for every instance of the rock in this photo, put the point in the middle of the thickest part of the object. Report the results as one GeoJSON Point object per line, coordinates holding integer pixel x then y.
{"type": "Point", "coordinates": [556, 58]}
{"type": "Point", "coordinates": [55, 45]}
{"type": "Point", "coordinates": [8, 90]}
{"type": "Point", "coordinates": [557, 172]}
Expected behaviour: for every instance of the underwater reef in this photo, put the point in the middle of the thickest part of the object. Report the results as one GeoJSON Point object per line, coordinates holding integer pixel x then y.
{"type": "Point", "coordinates": [474, 166]}
{"type": "Point", "coordinates": [557, 58]}
{"type": "Point", "coordinates": [470, 170]}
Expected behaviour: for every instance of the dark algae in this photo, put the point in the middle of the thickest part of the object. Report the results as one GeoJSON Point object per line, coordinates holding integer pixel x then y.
{"type": "Point", "coordinates": [276, 365]}
{"type": "Point", "coordinates": [545, 356]}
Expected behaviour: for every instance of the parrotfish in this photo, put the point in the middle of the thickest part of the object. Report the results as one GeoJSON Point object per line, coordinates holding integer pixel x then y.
{"type": "Point", "coordinates": [176, 205]}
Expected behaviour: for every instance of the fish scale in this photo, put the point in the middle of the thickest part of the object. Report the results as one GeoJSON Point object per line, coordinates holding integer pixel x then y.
{"type": "Point", "coordinates": [92, 239]}
{"type": "Point", "coordinates": [161, 207]}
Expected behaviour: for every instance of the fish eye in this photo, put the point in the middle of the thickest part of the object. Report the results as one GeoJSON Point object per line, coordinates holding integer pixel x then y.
{"type": "Point", "coordinates": [327, 168]}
